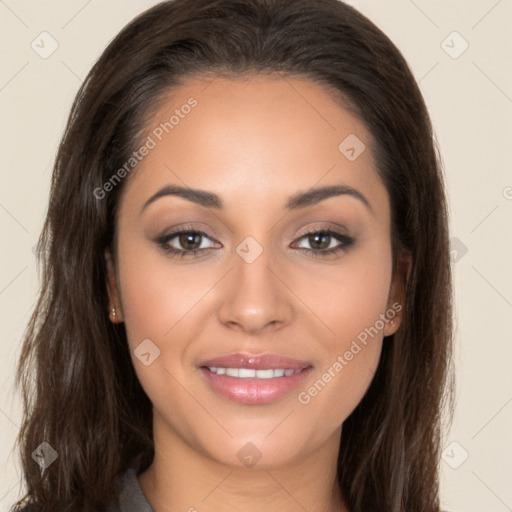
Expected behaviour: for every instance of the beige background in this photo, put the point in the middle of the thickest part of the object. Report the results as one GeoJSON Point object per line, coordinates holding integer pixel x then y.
{"type": "Point", "coordinates": [470, 100]}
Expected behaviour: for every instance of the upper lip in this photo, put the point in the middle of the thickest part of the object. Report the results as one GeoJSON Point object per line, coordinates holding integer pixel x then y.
{"type": "Point", "coordinates": [256, 362]}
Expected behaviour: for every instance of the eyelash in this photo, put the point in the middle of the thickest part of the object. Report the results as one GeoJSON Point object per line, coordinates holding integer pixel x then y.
{"type": "Point", "coordinates": [346, 243]}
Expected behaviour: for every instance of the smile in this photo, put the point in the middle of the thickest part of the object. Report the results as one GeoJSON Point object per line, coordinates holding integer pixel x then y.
{"type": "Point", "coordinates": [254, 379]}
{"type": "Point", "coordinates": [246, 373]}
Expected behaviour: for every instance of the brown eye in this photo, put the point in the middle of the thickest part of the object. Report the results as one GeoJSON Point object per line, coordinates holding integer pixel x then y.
{"type": "Point", "coordinates": [323, 242]}
{"type": "Point", "coordinates": [184, 242]}
{"type": "Point", "coordinates": [319, 241]}
{"type": "Point", "coordinates": [189, 241]}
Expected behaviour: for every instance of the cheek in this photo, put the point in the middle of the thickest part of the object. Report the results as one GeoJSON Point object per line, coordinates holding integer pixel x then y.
{"type": "Point", "coordinates": [164, 303]}
{"type": "Point", "coordinates": [349, 297]}
{"type": "Point", "coordinates": [339, 387]}
{"type": "Point", "coordinates": [154, 297]}
{"type": "Point", "coordinates": [357, 297]}
{"type": "Point", "coordinates": [155, 302]}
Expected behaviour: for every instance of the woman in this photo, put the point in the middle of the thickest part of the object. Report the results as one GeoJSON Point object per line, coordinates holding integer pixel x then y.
{"type": "Point", "coordinates": [246, 298]}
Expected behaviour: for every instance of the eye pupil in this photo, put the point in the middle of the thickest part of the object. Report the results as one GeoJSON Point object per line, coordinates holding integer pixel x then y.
{"type": "Point", "coordinates": [313, 240]}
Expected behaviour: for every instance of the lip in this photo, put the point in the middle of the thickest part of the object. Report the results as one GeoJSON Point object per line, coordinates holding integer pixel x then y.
{"type": "Point", "coordinates": [254, 391]}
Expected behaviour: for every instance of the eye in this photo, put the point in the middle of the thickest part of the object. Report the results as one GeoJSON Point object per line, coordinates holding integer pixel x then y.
{"type": "Point", "coordinates": [323, 242]}
{"type": "Point", "coordinates": [190, 241]}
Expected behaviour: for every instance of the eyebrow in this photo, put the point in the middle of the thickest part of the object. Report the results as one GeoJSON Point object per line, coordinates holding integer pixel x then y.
{"type": "Point", "coordinates": [297, 201]}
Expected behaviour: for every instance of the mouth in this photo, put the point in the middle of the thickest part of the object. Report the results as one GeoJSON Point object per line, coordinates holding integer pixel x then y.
{"type": "Point", "coordinates": [254, 379]}
{"type": "Point", "coordinates": [247, 373]}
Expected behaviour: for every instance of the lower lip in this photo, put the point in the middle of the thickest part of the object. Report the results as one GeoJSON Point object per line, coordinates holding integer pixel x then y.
{"type": "Point", "coordinates": [254, 391]}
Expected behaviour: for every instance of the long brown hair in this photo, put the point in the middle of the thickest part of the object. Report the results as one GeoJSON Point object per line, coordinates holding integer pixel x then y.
{"type": "Point", "coordinates": [79, 388]}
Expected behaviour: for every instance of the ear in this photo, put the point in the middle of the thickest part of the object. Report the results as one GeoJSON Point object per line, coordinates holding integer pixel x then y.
{"type": "Point", "coordinates": [113, 290]}
{"type": "Point", "coordinates": [396, 298]}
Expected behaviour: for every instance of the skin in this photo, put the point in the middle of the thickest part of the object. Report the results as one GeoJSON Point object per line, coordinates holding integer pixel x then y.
{"type": "Point", "coordinates": [254, 143]}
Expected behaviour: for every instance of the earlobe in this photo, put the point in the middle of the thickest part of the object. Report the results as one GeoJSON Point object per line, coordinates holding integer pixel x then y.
{"type": "Point", "coordinates": [393, 322]}
{"type": "Point", "coordinates": [115, 312]}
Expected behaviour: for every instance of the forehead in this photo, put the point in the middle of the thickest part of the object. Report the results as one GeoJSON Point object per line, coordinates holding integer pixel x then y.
{"type": "Point", "coordinates": [256, 138]}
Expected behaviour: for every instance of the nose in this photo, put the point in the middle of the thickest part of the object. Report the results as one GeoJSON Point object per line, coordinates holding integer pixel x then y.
{"type": "Point", "coordinates": [254, 296]}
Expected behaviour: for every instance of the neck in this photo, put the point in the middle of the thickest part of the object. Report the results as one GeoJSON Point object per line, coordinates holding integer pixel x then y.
{"type": "Point", "coordinates": [183, 479]}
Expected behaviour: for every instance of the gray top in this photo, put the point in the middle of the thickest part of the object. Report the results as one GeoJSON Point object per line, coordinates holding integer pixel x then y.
{"type": "Point", "coordinates": [130, 497]}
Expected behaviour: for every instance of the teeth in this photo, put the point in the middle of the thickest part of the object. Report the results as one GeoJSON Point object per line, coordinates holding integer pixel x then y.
{"type": "Point", "coordinates": [245, 373]}
{"type": "Point", "coordinates": [265, 374]}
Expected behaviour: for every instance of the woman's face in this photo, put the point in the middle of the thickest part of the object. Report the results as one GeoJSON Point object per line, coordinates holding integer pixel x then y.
{"type": "Point", "coordinates": [260, 282]}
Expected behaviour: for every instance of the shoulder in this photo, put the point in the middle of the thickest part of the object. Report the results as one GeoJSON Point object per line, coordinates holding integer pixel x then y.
{"type": "Point", "coordinates": [113, 507]}
{"type": "Point", "coordinates": [130, 497]}
{"type": "Point", "coordinates": [29, 507]}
